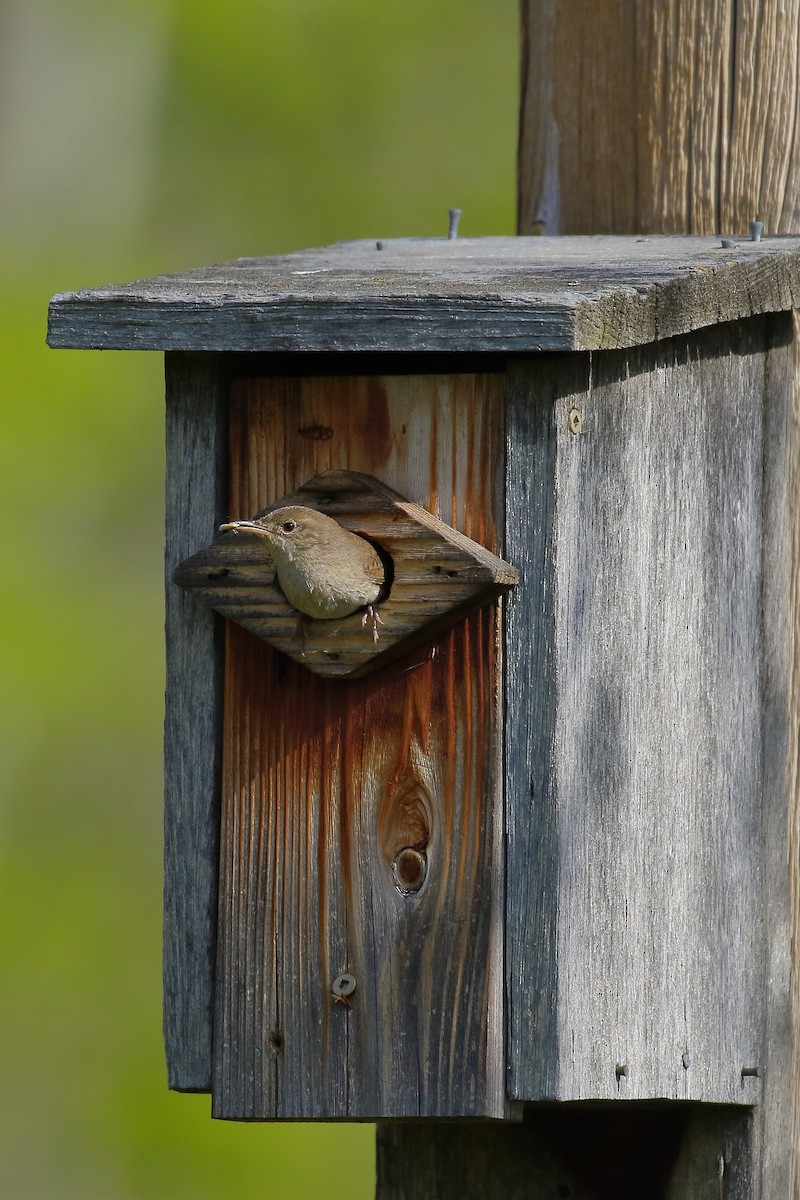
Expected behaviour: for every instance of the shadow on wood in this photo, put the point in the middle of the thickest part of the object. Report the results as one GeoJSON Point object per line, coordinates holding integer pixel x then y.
{"type": "Point", "coordinates": [573, 1152]}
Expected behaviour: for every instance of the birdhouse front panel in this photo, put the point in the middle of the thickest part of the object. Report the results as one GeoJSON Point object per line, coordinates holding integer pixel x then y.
{"type": "Point", "coordinates": [361, 821]}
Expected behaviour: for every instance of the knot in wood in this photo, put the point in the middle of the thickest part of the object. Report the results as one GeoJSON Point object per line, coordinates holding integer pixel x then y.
{"type": "Point", "coordinates": [404, 831]}
{"type": "Point", "coordinates": [406, 817]}
{"type": "Point", "coordinates": [409, 869]}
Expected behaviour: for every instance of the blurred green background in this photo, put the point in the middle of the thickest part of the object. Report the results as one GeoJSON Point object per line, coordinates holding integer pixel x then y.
{"type": "Point", "coordinates": [141, 136]}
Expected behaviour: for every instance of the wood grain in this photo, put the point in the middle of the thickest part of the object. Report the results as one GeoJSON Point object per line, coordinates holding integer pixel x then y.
{"type": "Point", "coordinates": [436, 576]}
{"type": "Point", "coordinates": [326, 785]}
{"type": "Point", "coordinates": [791, 924]}
{"type": "Point", "coordinates": [678, 117]}
{"type": "Point", "coordinates": [780, 1113]}
{"type": "Point", "coordinates": [468, 295]}
{"type": "Point", "coordinates": [636, 953]}
{"type": "Point", "coordinates": [195, 497]}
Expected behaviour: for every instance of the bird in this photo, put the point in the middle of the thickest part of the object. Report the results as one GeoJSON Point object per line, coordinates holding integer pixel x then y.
{"type": "Point", "coordinates": [324, 570]}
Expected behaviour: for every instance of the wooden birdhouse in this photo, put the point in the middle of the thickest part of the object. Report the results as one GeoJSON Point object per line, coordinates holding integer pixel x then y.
{"type": "Point", "coordinates": [529, 845]}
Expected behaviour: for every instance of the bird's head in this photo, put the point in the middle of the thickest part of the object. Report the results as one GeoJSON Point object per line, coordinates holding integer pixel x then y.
{"type": "Point", "coordinates": [289, 531]}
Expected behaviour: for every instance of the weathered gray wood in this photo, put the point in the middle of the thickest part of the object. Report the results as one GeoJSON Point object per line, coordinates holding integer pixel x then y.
{"type": "Point", "coordinates": [362, 820]}
{"type": "Point", "coordinates": [630, 1151]}
{"type": "Point", "coordinates": [718, 1155]}
{"type": "Point", "coordinates": [195, 499]}
{"type": "Point", "coordinates": [479, 294]}
{"type": "Point", "coordinates": [780, 1113]}
{"type": "Point", "coordinates": [635, 886]}
{"type": "Point", "coordinates": [530, 703]}
{"type": "Point", "coordinates": [437, 576]}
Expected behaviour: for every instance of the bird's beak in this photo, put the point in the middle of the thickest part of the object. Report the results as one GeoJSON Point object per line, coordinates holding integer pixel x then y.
{"type": "Point", "coordinates": [243, 527]}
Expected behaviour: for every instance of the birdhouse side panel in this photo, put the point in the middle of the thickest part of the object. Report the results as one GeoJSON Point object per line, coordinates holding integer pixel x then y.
{"type": "Point", "coordinates": [361, 826]}
{"type": "Point", "coordinates": [196, 500]}
{"type": "Point", "coordinates": [636, 868]}
{"type": "Point", "coordinates": [780, 1111]}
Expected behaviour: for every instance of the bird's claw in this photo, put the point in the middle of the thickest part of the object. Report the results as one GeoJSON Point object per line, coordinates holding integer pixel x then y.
{"type": "Point", "coordinates": [373, 617]}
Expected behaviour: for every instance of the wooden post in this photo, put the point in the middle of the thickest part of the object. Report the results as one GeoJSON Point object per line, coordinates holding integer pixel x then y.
{"type": "Point", "coordinates": [677, 116]}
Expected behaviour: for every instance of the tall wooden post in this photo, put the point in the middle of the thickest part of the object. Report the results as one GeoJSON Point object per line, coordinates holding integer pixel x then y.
{"type": "Point", "coordinates": [676, 116]}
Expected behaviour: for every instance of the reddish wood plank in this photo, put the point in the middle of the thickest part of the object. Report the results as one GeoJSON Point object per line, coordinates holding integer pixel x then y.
{"type": "Point", "coordinates": [341, 797]}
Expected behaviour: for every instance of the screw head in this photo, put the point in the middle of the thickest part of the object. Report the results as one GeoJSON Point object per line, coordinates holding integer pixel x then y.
{"type": "Point", "coordinates": [344, 984]}
{"type": "Point", "coordinates": [575, 420]}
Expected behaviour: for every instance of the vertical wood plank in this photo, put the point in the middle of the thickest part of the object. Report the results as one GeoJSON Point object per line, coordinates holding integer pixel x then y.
{"type": "Point", "coordinates": [325, 782]}
{"type": "Point", "coordinates": [652, 795]}
{"type": "Point", "coordinates": [536, 389]}
{"type": "Point", "coordinates": [791, 921]}
{"type": "Point", "coordinates": [196, 446]}
{"type": "Point", "coordinates": [780, 1113]}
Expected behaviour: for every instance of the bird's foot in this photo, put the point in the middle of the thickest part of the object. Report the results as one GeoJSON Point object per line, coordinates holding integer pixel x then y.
{"type": "Point", "coordinates": [300, 630]}
{"type": "Point", "coordinates": [372, 618]}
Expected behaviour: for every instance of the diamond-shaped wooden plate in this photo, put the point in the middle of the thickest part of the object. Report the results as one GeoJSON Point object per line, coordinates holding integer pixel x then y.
{"type": "Point", "coordinates": [437, 576]}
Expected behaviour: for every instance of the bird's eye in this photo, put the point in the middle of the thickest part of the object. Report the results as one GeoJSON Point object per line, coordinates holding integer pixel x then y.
{"type": "Point", "coordinates": [288, 526]}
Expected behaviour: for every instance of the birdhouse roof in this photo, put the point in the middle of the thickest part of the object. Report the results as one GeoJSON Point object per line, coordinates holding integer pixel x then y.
{"type": "Point", "coordinates": [507, 294]}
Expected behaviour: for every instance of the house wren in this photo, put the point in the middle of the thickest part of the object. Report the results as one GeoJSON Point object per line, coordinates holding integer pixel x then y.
{"type": "Point", "coordinates": [324, 570]}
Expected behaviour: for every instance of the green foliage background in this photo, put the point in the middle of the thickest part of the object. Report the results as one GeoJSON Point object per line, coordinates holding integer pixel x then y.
{"type": "Point", "coordinates": [142, 136]}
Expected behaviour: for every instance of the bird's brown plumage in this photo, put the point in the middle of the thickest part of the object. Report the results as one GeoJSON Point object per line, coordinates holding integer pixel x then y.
{"type": "Point", "coordinates": [324, 570]}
